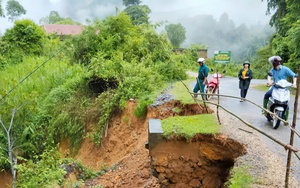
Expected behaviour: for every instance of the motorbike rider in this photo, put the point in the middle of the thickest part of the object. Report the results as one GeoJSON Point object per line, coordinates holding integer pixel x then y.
{"type": "Point", "coordinates": [278, 72]}
{"type": "Point", "coordinates": [202, 76]}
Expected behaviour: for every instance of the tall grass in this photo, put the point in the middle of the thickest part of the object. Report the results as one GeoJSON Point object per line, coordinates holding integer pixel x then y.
{"type": "Point", "coordinates": [26, 88]}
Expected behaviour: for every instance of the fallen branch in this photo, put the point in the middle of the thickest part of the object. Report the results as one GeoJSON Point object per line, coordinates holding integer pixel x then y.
{"type": "Point", "coordinates": [246, 130]}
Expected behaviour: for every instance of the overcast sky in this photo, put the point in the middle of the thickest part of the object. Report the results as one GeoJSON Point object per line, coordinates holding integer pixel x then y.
{"type": "Point", "coordinates": [240, 11]}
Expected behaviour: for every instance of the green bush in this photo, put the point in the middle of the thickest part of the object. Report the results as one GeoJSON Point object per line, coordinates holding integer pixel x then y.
{"type": "Point", "coordinates": [25, 38]}
{"type": "Point", "coordinates": [41, 171]}
{"type": "Point", "coordinates": [239, 177]}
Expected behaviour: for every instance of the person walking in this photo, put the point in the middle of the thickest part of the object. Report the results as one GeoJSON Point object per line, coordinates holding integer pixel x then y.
{"type": "Point", "coordinates": [202, 77]}
{"type": "Point", "coordinates": [278, 72]}
{"type": "Point", "coordinates": [245, 76]}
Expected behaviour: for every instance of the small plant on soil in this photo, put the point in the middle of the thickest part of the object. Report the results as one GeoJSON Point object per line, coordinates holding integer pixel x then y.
{"type": "Point", "coordinates": [239, 178]}
{"type": "Point", "coordinates": [176, 110]}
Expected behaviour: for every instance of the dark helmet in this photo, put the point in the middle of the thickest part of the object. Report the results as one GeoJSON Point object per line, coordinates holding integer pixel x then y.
{"type": "Point", "coordinates": [246, 62]}
{"type": "Point", "coordinates": [275, 60]}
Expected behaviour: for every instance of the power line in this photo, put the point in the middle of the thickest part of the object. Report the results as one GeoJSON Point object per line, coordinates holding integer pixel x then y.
{"type": "Point", "coordinates": [33, 71]}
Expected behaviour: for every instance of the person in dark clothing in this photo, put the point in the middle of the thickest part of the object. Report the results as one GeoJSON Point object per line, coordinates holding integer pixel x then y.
{"type": "Point", "coordinates": [202, 77]}
{"type": "Point", "coordinates": [245, 76]}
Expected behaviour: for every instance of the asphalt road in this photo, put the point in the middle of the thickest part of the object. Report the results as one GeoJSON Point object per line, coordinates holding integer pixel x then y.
{"type": "Point", "coordinates": [253, 115]}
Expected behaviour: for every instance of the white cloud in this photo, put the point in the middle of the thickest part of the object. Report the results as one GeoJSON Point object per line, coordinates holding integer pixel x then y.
{"type": "Point", "coordinates": [54, 1]}
{"type": "Point", "coordinates": [240, 11]}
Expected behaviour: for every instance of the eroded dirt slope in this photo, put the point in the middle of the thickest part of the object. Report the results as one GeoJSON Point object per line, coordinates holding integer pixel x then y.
{"type": "Point", "coordinates": [123, 149]}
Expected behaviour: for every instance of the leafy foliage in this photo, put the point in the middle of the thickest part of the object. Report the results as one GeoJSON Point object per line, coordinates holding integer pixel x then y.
{"type": "Point", "coordinates": [55, 18]}
{"type": "Point", "coordinates": [1, 10]}
{"type": "Point", "coordinates": [42, 171]}
{"type": "Point", "coordinates": [138, 14]}
{"type": "Point", "coordinates": [176, 34]}
{"type": "Point", "coordinates": [25, 38]}
{"type": "Point", "coordinates": [56, 100]}
{"type": "Point", "coordinates": [14, 10]}
{"type": "Point", "coordinates": [29, 134]}
{"type": "Point", "coordinates": [69, 119]}
{"type": "Point", "coordinates": [127, 3]}
{"type": "Point", "coordinates": [240, 177]}
{"type": "Point", "coordinates": [280, 7]}
{"type": "Point", "coordinates": [285, 42]}
{"type": "Point", "coordinates": [135, 56]}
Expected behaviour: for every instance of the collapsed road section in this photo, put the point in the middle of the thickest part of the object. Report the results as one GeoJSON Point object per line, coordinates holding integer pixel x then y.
{"type": "Point", "coordinates": [202, 161]}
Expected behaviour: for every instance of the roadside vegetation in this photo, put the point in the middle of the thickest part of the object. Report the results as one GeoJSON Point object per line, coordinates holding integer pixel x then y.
{"type": "Point", "coordinates": [56, 98]}
{"type": "Point", "coordinates": [239, 177]}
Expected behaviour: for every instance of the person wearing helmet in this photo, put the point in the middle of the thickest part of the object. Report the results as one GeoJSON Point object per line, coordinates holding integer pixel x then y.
{"type": "Point", "coordinates": [245, 76]}
{"type": "Point", "coordinates": [278, 72]}
{"type": "Point", "coordinates": [202, 76]}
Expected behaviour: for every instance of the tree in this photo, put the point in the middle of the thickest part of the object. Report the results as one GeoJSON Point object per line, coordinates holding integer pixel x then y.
{"type": "Point", "coordinates": [281, 10]}
{"type": "Point", "coordinates": [14, 10]}
{"type": "Point", "coordinates": [285, 42]}
{"type": "Point", "coordinates": [176, 34]}
{"type": "Point", "coordinates": [127, 3]}
{"type": "Point", "coordinates": [10, 147]}
{"type": "Point", "coordinates": [138, 14]}
{"type": "Point", "coordinates": [1, 9]}
{"type": "Point", "coordinates": [25, 38]}
{"type": "Point", "coordinates": [53, 18]}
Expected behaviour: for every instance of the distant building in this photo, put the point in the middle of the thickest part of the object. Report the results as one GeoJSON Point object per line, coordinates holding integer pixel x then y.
{"type": "Point", "coordinates": [202, 52]}
{"type": "Point", "coordinates": [63, 30]}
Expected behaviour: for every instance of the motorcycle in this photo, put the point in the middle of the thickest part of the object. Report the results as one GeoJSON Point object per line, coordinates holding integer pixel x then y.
{"type": "Point", "coordinates": [279, 102]}
{"type": "Point", "coordinates": [213, 85]}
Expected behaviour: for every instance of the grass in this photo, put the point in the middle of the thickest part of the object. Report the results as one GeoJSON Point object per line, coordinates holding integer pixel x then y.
{"type": "Point", "coordinates": [181, 92]}
{"type": "Point", "coordinates": [188, 126]}
{"type": "Point", "coordinates": [240, 177]}
{"type": "Point", "coordinates": [263, 87]}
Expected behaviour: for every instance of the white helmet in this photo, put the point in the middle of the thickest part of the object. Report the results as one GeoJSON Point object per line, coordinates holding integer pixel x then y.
{"type": "Point", "coordinates": [275, 60]}
{"type": "Point", "coordinates": [201, 60]}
